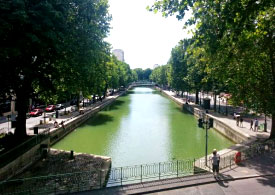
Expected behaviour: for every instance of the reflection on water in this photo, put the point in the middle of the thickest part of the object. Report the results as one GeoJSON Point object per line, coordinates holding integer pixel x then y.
{"type": "Point", "coordinates": [142, 127]}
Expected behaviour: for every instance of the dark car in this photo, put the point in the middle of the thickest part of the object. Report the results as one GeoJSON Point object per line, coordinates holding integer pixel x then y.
{"type": "Point", "coordinates": [50, 108]}
{"type": "Point", "coordinates": [36, 112]}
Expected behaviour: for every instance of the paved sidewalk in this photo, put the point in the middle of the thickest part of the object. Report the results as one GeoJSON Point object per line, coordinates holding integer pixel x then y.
{"type": "Point", "coordinates": [35, 121]}
{"type": "Point", "coordinates": [256, 176]}
{"type": "Point", "coordinates": [228, 120]}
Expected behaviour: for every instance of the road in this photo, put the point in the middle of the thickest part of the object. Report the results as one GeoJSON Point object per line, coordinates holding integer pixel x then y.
{"type": "Point", "coordinates": [257, 185]}
{"type": "Point", "coordinates": [5, 126]}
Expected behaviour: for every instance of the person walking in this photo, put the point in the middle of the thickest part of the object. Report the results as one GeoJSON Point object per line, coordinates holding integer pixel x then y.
{"type": "Point", "coordinates": [237, 120]}
{"type": "Point", "coordinates": [215, 163]}
{"type": "Point", "coordinates": [251, 125]}
{"type": "Point", "coordinates": [241, 121]}
{"type": "Point", "coordinates": [256, 125]}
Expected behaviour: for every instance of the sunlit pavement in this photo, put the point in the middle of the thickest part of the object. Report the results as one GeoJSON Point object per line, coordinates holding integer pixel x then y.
{"type": "Point", "coordinates": [228, 120]}
{"type": "Point", "coordinates": [223, 107]}
{"type": "Point", "coordinates": [5, 127]}
{"type": "Point", "coordinates": [261, 171]}
{"type": "Point", "coordinates": [256, 176]}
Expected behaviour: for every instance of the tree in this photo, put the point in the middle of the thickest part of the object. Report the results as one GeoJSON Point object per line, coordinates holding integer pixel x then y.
{"type": "Point", "coordinates": [143, 74]}
{"type": "Point", "coordinates": [160, 75]}
{"type": "Point", "coordinates": [48, 46]}
{"type": "Point", "coordinates": [238, 40]}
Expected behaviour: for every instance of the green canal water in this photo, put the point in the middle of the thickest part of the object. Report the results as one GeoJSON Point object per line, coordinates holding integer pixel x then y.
{"type": "Point", "coordinates": [142, 127]}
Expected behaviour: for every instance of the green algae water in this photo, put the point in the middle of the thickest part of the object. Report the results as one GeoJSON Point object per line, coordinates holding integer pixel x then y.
{"type": "Point", "coordinates": [142, 127]}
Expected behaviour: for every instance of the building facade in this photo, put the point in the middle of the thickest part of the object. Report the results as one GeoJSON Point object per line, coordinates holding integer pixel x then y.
{"type": "Point", "coordinates": [119, 53]}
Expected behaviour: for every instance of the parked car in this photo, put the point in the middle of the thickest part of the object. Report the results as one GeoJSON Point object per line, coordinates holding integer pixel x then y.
{"type": "Point", "coordinates": [40, 107]}
{"type": "Point", "coordinates": [36, 112]}
{"type": "Point", "coordinates": [50, 108]}
{"type": "Point", "coordinates": [59, 106]}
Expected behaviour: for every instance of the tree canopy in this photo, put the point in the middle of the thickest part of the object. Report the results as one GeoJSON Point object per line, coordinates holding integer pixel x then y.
{"type": "Point", "coordinates": [233, 48]}
{"type": "Point", "coordinates": [55, 49]}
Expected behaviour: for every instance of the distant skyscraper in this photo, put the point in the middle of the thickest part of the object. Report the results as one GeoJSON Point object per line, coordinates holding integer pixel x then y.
{"type": "Point", "coordinates": [119, 53]}
{"type": "Point", "coordinates": [155, 66]}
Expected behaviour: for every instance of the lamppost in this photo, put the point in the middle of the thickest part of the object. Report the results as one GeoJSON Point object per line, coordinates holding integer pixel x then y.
{"type": "Point", "coordinates": [226, 110]}
{"type": "Point", "coordinates": [207, 123]}
{"type": "Point", "coordinates": [219, 104]}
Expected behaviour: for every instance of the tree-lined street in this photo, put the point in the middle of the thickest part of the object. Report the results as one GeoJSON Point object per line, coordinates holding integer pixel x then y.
{"type": "Point", "coordinates": [231, 51]}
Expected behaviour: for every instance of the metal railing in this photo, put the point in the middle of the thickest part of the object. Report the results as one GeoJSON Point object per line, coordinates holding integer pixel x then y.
{"type": "Point", "coordinates": [149, 172]}
{"type": "Point", "coordinates": [12, 154]}
{"type": "Point", "coordinates": [89, 180]}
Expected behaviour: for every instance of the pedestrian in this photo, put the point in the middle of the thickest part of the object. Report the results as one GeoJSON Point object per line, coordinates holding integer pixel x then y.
{"type": "Point", "coordinates": [62, 124]}
{"type": "Point", "coordinates": [237, 120]}
{"type": "Point", "coordinates": [256, 125]}
{"type": "Point", "coordinates": [241, 121]}
{"type": "Point", "coordinates": [251, 125]}
{"type": "Point", "coordinates": [215, 163]}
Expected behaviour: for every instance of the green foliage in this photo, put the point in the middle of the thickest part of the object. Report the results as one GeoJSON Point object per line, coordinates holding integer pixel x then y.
{"type": "Point", "coordinates": [52, 49]}
{"type": "Point", "coordinates": [160, 75]}
{"type": "Point", "coordinates": [235, 47]}
{"type": "Point", "coordinates": [143, 74]}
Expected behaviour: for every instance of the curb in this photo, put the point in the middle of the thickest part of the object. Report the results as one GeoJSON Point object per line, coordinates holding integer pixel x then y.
{"type": "Point", "coordinates": [202, 183]}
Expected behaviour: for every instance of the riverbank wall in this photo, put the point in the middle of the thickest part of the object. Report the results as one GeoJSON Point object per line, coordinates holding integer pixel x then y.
{"type": "Point", "coordinates": [33, 155]}
{"type": "Point", "coordinates": [225, 129]}
{"type": "Point", "coordinates": [59, 133]}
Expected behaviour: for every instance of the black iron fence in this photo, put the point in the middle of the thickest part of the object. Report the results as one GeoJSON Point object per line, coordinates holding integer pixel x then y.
{"type": "Point", "coordinates": [12, 154]}
{"type": "Point", "coordinates": [149, 172]}
{"type": "Point", "coordinates": [89, 180]}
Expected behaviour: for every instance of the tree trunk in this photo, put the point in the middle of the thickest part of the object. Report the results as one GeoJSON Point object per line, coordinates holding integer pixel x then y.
{"type": "Point", "coordinates": [94, 100]}
{"type": "Point", "coordinates": [181, 95]}
{"type": "Point", "coordinates": [105, 91]}
{"type": "Point", "coordinates": [197, 96]}
{"type": "Point", "coordinates": [200, 98]}
{"type": "Point", "coordinates": [77, 102]}
{"type": "Point", "coordinates": [215, 101]}
{"type": "Point", "coordinates": [22, 108]}
{"type": "Point", "coordinates": [272, 133]}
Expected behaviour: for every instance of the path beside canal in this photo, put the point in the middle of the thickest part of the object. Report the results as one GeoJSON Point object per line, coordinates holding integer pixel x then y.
{"type": "Point", "coordinates": [255, 176]}
{"type": "Point", "coordinates": [228, 120]}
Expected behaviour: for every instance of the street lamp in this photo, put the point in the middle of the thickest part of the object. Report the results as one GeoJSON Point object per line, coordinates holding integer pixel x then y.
{"type": "Point", "coordinates": [219, 104]}
{"type": "Point", "coordinates": [226, 110]}
{"type": "Point", "coordinates": [207, 123]}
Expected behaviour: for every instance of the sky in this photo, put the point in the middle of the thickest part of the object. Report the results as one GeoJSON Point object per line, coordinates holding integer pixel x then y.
{"type": "Point", "coordinates": [146, 38]}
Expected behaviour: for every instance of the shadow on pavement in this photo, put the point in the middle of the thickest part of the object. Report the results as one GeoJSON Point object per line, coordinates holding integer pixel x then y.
{"type": "Point", "coordinates": [222, 180]}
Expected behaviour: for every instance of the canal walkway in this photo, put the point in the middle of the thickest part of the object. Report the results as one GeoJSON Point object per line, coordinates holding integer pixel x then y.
{"type": "Point", "coordinates": [258, 173]}
{"type": "Point", "coordinates": [72, 113]}
{"type": "Point", "coordinates": [228, 120]}
{"type": "Point", "coordinates": [255, 176]}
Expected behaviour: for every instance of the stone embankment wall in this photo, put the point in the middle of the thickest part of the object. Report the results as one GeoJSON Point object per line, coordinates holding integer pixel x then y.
{"type": "Point", "coordinates": [22, 162]}
{"type": "Point", "coordinates": [59, 133]}
{"type": "Point", "coordinates": [30, 157]}
{"type": "Point", "coordinates": [219, 126]}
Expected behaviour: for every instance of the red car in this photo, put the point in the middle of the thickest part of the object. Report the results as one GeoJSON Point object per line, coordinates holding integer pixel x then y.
{"type": "Point", "coordinates": [36, 112]}
{"type": "Point", "coordinates": [50, 108]}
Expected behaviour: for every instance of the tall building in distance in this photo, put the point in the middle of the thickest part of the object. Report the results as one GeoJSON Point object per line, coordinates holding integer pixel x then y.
{"type": "Point", "coordinates": [119, 53]}
{"type": "Point", "coordinates": [155, 66]}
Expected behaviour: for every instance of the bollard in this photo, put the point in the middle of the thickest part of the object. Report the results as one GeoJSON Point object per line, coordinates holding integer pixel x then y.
{"type": "Point", "coordinates": [35, 130]}
{"type": "Point", "coordinates": [72, 155]}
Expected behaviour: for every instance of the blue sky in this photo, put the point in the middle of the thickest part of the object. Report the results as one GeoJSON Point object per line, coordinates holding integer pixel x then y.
{"type": "Point", "coordinates": [146, 38]}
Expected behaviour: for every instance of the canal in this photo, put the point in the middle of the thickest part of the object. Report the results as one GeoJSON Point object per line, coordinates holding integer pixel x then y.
{"type": "Point", "coordinates": [142, 127]}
